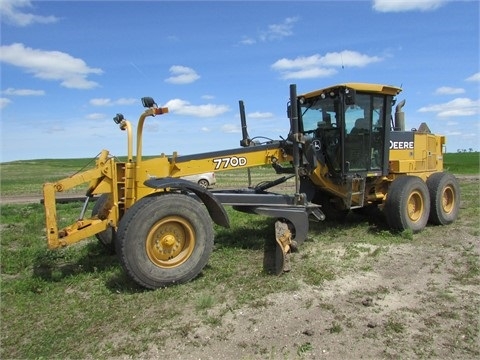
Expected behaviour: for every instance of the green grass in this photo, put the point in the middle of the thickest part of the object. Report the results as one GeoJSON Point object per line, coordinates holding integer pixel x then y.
{"type": "Point", "coordinates": [27, 177]}
{"type": "Point", "coordinates": [304, 348]}
{"type": "Point", "coordinates": [73, 302]}
{"type": "Point", "coordinates": [462, 163]}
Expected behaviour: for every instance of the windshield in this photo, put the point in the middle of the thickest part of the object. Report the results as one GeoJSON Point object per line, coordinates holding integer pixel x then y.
{"type": "Point", "coordinates": [318, 113]}
{"type": "Point", "coordinates": [321, 119]}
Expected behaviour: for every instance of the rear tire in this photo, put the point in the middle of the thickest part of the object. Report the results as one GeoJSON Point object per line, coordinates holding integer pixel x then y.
{"type": "Point", "coordinates": [165, 240]}
{"type": "Point", "coordinates": [408, 204]}
{"type": "Point", "coordinates": [445, 198]}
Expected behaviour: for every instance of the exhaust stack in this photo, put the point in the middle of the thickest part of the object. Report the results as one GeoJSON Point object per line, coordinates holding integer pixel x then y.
{"type": "Point", "coordinates": [399, 124]}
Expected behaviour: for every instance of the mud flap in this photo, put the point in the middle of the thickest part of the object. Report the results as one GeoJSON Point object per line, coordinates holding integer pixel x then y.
{"type": "Point", "coordinates": [275, 259]}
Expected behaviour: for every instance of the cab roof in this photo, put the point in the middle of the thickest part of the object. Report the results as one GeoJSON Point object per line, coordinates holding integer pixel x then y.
{"type": "Point", "coordinates": [363, 87]}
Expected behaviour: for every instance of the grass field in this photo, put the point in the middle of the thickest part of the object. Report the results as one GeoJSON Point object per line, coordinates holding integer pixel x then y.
{"type": "Point", "coordinates": [27, 177]}
{"type": "Point", "coordinates": [68, 303]}
{"type": "Point", "coordinates": [462, 163]}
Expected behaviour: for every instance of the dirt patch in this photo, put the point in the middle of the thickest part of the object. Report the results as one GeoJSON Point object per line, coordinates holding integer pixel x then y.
{"type": "Point", "coordinates": [418, 300]}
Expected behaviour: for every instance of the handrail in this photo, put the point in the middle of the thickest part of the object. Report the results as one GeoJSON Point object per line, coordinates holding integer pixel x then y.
{"type": "Point", "coordinates": [149, 112]}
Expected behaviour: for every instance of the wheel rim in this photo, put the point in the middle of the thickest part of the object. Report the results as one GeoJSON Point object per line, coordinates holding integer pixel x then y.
{"type": "Point", "coordinates": [415, 206]}
{"type": "Point", "coordinates": [170, 242]}
{"type": "Point", "coordinates": [203, 183]}
{"type": "Point", "coordinates": [448, 199]}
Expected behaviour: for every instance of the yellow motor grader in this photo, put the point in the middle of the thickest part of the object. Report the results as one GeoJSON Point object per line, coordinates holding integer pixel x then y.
{"type": "Point", "coordinates": [345, 150]}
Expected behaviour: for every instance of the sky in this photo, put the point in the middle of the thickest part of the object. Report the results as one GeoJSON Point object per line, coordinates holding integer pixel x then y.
{"type": "Point", "coordinates": [68, 67]}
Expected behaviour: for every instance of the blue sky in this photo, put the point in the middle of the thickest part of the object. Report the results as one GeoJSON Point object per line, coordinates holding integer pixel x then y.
{"type": "Point", "coordinates": [67, 67]}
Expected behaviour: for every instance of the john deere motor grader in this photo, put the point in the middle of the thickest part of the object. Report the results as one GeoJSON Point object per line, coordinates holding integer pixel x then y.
{"type": "Point", "coordinates": [345, 150]}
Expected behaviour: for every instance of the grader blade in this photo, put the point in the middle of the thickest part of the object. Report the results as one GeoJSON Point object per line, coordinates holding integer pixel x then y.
{"type": "Point", "coordinates": [275, 259]}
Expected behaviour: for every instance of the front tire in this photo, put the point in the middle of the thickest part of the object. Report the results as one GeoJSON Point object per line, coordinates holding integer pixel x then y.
{"type": "Point", "coordinates": [165, 240]}
{"type": "Point", "coordinates": [408, 204]}
{"type": "Point", "coordinates": [445, 198]}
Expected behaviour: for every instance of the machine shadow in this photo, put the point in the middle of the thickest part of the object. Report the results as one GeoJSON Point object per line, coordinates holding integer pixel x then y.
{"type": "Point", "coordinates": [55, 266]}
{"type": "Point", "coordinates": [250, 234]}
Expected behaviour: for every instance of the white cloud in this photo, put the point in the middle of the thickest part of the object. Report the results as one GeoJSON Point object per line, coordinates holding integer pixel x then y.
{"type": "Point", "coordinates": [4, 102]}
{"type": "Point", "coordinates": [273, 32]}
{"type": "Point", "coordinates": [12, 13]}
{"type": "Point", "coordinates": [279, 31]}
{"type": "Point", "coordinates": [316, 66]}
{"type": "Point", "coordinates": [456, 107]}
{"type": "Point", "coordinates": [248, 41]}
{"type": "Point", "coordinates": [446, 90]}
{"type": "Point", "coordinates": [452, 123]}
{"type": "Point", "coordinates": [474, 77]}
{"type": "Point", "coordinates": [182, 75]}
{"type": "Point", "coordinates": [126, 101]}
{"type": "Point", "coordinates": [100, 102]}
{"type": "Point", "coordinates": [453, 133]}
{"type": "Point", "coordinates": [230, 128]}
{"type": "Point", "coordinates": [95, 116]}
{"type": "Point", "coordinates": [470, 135]}
{"type": "Point", "coordinates": [152, 126]}
{"type": "Point", "coordinates": [260, 115]}
{"type": "Point", "coordinates": [23, 92]}
{"type": "Point", "coordinates": [110, 102]}
{"type": "Point", "coordinates": [50, 65]}
{"type": "Point", "coordinates": [299, 62]}
{"type": "Point", "coordinates": [54, 129]}
{"type": "Point", "coordinates": [407, 5]}
{"type": "Point", "coordinates": [172, 38]}
{"type": "Point", "coordinates": [349, 58]}
{"type": "Point", "coordinates": [309, 73]}
{"type": "Point", "coordinates": [183, 107]}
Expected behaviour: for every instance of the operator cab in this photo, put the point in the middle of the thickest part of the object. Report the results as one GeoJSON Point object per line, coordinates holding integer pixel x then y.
{"type": "Point", "coordinates": [346, 127]}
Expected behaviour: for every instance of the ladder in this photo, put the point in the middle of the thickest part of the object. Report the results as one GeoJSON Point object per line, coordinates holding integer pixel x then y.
{"type": "Point", "coordinates": [356, 195]}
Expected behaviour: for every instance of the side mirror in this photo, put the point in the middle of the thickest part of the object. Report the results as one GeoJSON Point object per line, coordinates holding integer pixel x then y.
{"type": "Point", "coordinates": [118, 119]}
{"type": "Point", "coordinates": [349, 96]}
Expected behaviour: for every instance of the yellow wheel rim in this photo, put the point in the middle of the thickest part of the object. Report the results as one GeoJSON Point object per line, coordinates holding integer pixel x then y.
{"type": "Point", "coordinates": [415, 206]}
{"type": "Point", "coordinates": [170, 242]}
{"type": "Point", "coordinates": [448, 199]}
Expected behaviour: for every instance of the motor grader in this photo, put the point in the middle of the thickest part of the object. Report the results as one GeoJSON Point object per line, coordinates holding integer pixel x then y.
{"type": "Point", "coordinates": [345, 150]}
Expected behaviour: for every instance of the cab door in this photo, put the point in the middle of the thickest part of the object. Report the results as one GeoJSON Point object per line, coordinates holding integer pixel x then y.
{"type": "Point", "coordinates": [365, 130]}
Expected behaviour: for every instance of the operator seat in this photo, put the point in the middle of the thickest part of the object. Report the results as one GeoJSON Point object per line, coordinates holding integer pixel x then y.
{"type": "Point", "coordinates": [361, 126]}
